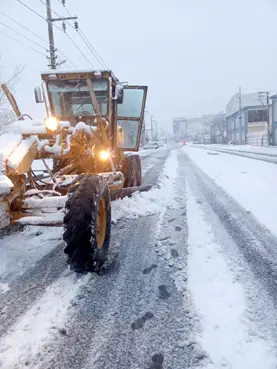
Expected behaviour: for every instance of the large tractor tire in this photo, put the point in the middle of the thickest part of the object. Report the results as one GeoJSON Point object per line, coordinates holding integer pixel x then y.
{"type": "Point", "coordinates": [132, 171]}
{"type": "Point", "coordinates": [87, 223]}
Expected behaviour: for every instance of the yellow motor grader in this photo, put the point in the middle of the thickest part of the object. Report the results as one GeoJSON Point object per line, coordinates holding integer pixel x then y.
{"type": "Point", "coordinates": [93, 124]}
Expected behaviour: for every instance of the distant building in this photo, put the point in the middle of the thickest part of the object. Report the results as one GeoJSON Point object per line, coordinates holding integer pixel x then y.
{"type": "Point", "coordinates": [192, 128]}
{"type": "Point", "coordinates": [251, 126]}
{"type": "Point", "coordinates": [274, 119]}
{"type": "Point", "coordinates": [179, 128]}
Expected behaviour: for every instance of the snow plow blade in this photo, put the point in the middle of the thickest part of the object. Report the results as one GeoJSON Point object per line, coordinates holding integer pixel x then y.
{"type": "Point", "coordinates": [128, 191]}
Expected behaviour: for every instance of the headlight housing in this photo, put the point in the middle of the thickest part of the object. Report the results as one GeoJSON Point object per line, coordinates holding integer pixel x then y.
{"type": "Point", "coordinates": [104, 155]}
{"type": "Point", "coordinates": [51, 123]}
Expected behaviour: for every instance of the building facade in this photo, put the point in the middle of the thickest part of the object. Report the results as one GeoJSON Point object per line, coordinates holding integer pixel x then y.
{"type": "Point", "coordinates": [274, 119]}
{"type": "Point", "coordinates": [248, 124]}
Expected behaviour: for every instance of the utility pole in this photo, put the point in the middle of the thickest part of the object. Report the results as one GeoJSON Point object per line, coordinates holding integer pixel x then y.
{"type": "Point", "coordinates": [240, 116]}
{"type": "Point", "coordinates": [268, 128]}
{"type": "Point", "coordinates": [152, 133]}
{"type": "Point", "coordinates": [143, 132]}
{"type": "Point", "coordinates": [261, 97]}
{"type": "Point", "coordinates": [156, 126]}
{"type": "Point", "coordinates": [52, 50]}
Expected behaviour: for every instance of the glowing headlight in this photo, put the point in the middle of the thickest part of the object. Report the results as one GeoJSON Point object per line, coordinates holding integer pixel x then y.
{"type": "Point", "coordinates": [51, 123]}
{"type": "Point", "coordinates": [104, 155]}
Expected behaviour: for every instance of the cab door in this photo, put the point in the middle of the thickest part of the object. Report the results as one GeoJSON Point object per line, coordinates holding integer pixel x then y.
{"type": "Point", "coordinates": [129, 118]}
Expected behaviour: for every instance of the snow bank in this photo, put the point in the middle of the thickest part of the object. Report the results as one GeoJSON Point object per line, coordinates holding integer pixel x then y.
{"type": "Point", "coordinates": [152, 202]}
{"type": "Point", "coordinates": [220, 302]}
{"type": "Point", "coordinates": [252, 183]}
{"type": "Point", "coordinates": [27, 343]}
{"type": "Point", "coordinates": [270, 151]}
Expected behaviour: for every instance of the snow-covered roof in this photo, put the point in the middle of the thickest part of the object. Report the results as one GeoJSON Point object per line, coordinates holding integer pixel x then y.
{"type": "Point", "coordinates": [57, 71]}
{"type": "Point", "coordinates": [247, 100]}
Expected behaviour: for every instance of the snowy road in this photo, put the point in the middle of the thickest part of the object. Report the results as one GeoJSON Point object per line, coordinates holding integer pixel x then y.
{"type": "Point", "coordinates": [190, 282]}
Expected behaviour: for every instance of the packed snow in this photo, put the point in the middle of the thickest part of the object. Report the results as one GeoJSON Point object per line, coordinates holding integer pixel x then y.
{"type": "Point", "coordinates": [151, 202]}
{"type": "Point", "coordinates": [220, 301]}
{"type": "Point", "coordinates": [252, 183]}
{"type": "Point", "coordinates": [8, 142]}
{"type": "Point", "coordinates": [25, 342]}
{"type": "Point", "coordinates": [26, 127]}
{"type": "Point", "coordinates": [261, 150]}
{"type": "Point", "coordinates": [20, 152]}
{"type": "Point", "coordinates": [37, 242]}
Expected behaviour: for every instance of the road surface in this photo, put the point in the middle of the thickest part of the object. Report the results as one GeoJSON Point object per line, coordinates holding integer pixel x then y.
{"type": "Point", "coordinates": [190, 282]}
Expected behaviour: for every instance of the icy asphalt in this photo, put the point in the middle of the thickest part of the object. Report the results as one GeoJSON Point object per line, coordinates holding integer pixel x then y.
{"type": "Point", "coordinates": [191, 284]}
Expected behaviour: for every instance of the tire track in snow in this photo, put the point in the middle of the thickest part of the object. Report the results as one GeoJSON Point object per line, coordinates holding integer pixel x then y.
{"type": "Point", "coordinates": [220, 302]}
{"type": "Point", "coordinates": [130, 318]}
{"type": "Point", "coordinates": [31, 286]}
{"type": "Point", "coordinates": [29, 338]}
{"type": "Point", "coordinates": [249, 250]}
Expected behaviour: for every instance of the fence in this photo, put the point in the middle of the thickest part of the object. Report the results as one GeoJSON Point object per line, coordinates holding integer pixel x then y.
{"type": "Point", "coordinates": [258, 139]}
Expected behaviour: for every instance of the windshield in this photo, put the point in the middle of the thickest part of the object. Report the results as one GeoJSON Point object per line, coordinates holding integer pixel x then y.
{"type": "Point", "coordinates": [71, 97]}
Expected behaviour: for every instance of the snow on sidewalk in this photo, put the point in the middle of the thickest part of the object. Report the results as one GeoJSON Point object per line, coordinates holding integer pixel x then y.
{"type": "Point", "coordinates": [30, 338]}
{"type": "Point", "coordinates": [220, 302]}
{"type": "Point", "coordinates": [261, 150]}
{"type": "Point", "coordinates": [252, 183]}
{"type": "Point", "coordinates": [151, 202]}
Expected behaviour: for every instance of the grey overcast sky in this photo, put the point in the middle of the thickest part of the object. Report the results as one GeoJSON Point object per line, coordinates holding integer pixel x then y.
{"type": "Point", "coordinates": [193, 54]}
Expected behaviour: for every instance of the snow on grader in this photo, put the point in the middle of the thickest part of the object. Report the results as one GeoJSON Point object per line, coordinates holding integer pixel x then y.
{"type": "Point", "coordinates": [93, 124]}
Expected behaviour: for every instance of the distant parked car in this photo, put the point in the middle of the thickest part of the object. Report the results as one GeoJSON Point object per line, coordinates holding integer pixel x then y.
{"type": "Point", "coordinates": [184, 142]}
{"type": "Point", "coordinates": [151, 146]}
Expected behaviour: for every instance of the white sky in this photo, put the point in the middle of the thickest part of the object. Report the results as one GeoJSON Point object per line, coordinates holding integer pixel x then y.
{"type": "Point", "coordinates": [193, 54]}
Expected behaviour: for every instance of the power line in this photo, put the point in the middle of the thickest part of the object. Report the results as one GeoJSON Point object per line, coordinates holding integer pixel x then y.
{"type": "Point", "coordinates": [67, 33]}
{"type": "Point", "coordinates": [26, 6]}
{"type": "Point", "coordinates": [79, 50]}
{"type": "Point", "coordinates": [82, 36]}
{"type": "Point", "coordinates": [39, 15]}
{"type": "Point", "coordinates": [32, 10]}
{"type": "Point", "coordinates": [20, 34]}
{"type": "Point", "coordinates": [42, 39]}
{"type": "Point", "coordinates": [91, 48]}
{"type": "Point", "coordinates": [21, 25]}
{"type": "Point", "coordinates": [13, 38]}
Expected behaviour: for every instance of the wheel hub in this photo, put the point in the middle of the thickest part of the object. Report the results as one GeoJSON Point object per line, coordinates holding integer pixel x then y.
{"type": "Point", "coordinates": [101, 223]}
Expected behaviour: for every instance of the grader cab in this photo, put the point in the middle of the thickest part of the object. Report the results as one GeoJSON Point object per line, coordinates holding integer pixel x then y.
{"type": "Point", "coordinates": [92, 121]}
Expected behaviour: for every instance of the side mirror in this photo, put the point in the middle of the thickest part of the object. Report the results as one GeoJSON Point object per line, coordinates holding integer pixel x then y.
{"type": "Point", "coordinates": [38, 95]}
{"type": "Point", "coordinates": [119, 94]}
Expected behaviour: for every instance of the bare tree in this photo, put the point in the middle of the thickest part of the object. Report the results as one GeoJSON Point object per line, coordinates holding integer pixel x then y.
{"type": "Point", "coordinates": [6, 113]}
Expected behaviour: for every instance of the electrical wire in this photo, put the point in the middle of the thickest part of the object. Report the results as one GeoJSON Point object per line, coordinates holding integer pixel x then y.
{"type": "Point", "coordinates": [21, 2]}
{"type": "Point", "coordinates": [26, 6]}
{"type": "Point", "coordinates": [74, 43]}
{"type": "Point", "coordinates": [85, 39]}
{"type": "Point", "coordinates": [13, 38]}
{"type": "Point", "coordinates": [27, 38]}
{"type": "Point", "coordinates": [82, 36]}
{"type": "Point", "coordinates": [91, 48]}
{"type": "Point", "coordinates": [21, 25]}
{"type": "Point", "coordinates": [42, 39]}
{"type": "Point", "coordinates": [39, 15]}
